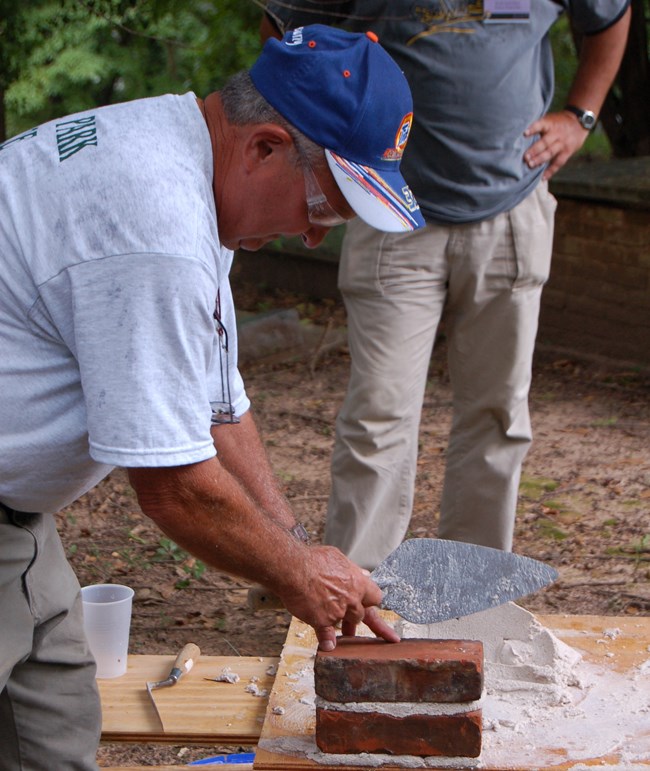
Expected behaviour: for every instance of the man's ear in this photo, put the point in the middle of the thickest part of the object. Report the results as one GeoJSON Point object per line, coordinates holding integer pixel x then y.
{"type": "Point", "coordinates": [266, 142]}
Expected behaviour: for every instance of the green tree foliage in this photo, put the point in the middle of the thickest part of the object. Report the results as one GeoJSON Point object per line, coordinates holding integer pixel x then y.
{"type": "Point", "coordinates": [62, 56]}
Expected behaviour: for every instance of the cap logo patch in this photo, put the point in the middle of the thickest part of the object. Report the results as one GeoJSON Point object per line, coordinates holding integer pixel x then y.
{"type": "Point", "coordinates": [395, 153]}
{"type": "Point", "coordinates": [404, 130]}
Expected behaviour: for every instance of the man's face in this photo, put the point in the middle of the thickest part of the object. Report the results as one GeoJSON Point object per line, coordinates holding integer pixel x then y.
{"type": "Point", "coordinates": [277, 206]}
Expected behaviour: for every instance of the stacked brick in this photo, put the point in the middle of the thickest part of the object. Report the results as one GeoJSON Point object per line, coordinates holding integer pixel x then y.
{"type": "Point", "coordinates": [416, 697]}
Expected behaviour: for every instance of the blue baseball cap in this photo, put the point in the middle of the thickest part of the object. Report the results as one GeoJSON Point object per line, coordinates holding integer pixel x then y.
{"type": "Point", "coordinates": [345, 93]}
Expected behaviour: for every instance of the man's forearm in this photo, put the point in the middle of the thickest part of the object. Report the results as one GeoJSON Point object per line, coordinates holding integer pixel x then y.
{"type": "Point", "coordinates": [241, 452]}
{"type": "Point", "coordinates": [599, 60]}
{"type": "Point", "coordinates": [206, 510]}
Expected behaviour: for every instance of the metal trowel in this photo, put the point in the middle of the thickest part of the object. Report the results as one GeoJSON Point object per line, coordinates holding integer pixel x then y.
{"type": "Point", "coordinates": [426, 580]}
{"type": "Point", "coordinates": [185, 660]}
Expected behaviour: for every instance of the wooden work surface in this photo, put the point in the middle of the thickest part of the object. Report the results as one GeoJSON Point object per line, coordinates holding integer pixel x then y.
{"type": "Point", "coordinates": [196, 709]}
{"type": "Point", "coordinates": [290, 717]}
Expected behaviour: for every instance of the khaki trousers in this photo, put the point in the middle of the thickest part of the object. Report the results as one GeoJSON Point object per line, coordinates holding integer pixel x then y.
{"type": "Point", "coordinates": [50, 716]}
{"type": "Point", "coordinates": [488, 277]}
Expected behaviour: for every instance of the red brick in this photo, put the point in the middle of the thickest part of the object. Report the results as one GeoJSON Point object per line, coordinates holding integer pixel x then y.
{"type": "Point", "coordinates": [362, 669]}
{"type": "Point", "coordinates": [457, 735]}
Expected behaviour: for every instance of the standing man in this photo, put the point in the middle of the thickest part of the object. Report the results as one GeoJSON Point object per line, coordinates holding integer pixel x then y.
{"type": "Point", "coordinates": [482, 150]}
{"type": "Point", "coordinates": [118, 339]}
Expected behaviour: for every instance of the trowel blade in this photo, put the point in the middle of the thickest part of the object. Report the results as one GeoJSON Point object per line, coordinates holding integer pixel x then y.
{"type": "Point", "coordinates": [426, 580]}
{"type": "Point", "coordinates": [150, 687]}
{"type": "Point", "coordinates": [183, 663]}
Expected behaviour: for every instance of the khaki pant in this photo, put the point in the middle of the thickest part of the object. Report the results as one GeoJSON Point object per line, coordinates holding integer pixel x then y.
{"type": "Point", "coordinates": [488, 278]}
{"type": "Point", "coordinates": [50, 716]}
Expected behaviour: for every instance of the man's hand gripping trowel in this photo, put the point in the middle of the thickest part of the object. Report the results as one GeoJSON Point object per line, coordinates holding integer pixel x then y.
{"type": "Point", "coordinates": [426, 580]}
{"type": "Point", "coordinates": [185, 660]}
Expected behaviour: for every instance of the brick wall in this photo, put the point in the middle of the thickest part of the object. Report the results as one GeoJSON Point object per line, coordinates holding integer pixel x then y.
{"type": "Point", "coordinates": [597, 301]}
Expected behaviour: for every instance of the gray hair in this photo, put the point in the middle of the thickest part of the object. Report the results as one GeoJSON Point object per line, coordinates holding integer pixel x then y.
{"type": "Point", "coordinates": [243, 104]}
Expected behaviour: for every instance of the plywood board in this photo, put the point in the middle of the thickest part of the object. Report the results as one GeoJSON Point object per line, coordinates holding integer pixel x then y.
{"type": "Point", "coordinates": [196, 709]}
{"type": "Point", "coordinates": [290, 717]}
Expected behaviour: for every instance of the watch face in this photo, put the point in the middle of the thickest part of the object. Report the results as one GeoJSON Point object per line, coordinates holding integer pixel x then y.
{"type": "Point", "coordinates": [588, 120]}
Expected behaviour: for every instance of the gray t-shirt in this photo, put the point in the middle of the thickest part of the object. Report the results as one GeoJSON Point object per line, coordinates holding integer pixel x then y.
{"type": "Point", "coordinates": [477, 85]}
{"type": "Point", "coordinates": [111, 265]}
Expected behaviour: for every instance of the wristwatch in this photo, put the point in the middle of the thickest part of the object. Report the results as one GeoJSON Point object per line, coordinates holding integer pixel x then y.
{"type": "Point", "coordinates": [586, 118]}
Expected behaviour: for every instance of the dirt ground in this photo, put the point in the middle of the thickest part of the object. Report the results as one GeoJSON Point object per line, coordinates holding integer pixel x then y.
{"type": "Point", "coordinates": [584, 501]}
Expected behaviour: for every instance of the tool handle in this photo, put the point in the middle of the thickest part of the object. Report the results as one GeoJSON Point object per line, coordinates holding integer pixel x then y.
{"type": "Point", "coordinates": [187, 658]}
{"type": "Point", "coordinates": [261, 598]}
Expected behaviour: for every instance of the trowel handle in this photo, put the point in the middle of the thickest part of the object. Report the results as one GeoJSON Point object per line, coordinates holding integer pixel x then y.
{"type": "Point", "coordinates": [186, 659]}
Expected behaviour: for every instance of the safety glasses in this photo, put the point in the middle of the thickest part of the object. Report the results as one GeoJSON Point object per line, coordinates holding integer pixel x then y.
{"type": "Point", "coordinates": [319, 211]}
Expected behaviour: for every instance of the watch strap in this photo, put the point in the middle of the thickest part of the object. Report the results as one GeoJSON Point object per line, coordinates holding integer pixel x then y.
{"type": "Point", "coordinates": [586, 118]}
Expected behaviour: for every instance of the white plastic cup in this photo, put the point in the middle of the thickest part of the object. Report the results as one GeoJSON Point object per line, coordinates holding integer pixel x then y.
{"type": "Point", "coordinates": [107, 621]}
